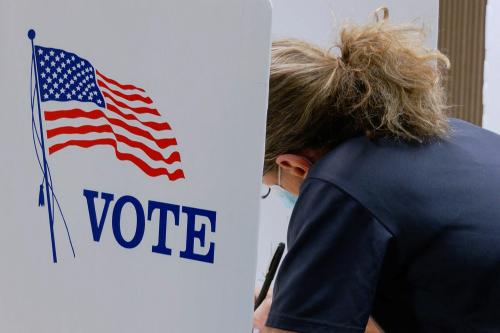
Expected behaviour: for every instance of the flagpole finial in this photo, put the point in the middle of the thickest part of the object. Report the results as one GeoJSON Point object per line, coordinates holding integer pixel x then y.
{"type": "Point", "coordinates": [31, 34]}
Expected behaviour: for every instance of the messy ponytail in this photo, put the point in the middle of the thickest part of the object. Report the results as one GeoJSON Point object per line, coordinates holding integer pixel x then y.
{"type": "Point", "coordinates": [383, 83]}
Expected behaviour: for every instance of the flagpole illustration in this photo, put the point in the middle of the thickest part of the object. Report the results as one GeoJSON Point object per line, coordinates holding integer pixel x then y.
{"type": "Point", "coordinates": [31, 36]}
{"type": "Point", "coordinates": [67, 85]}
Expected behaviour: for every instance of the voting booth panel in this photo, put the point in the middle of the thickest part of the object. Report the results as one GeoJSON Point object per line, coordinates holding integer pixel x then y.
{"type": "Point", "coordinates": [132, 141]}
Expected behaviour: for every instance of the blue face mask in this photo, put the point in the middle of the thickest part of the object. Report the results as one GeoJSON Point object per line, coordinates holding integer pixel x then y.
{"type": "Point", "coordinates": [289, 199]}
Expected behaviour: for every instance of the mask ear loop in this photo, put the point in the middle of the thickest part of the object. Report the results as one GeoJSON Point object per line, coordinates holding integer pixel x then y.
{"type": "Point", "coordinates": [279, 176]}
{"type": "Point", "coordinates": [267, 194]}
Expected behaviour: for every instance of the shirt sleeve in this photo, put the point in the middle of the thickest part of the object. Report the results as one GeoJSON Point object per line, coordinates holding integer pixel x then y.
{"type": "Point", "coordinates": [327, 280]}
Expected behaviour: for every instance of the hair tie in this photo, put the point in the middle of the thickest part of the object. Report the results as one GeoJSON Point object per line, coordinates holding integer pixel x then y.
{"type": "Point", "coordinates": [340, 62]}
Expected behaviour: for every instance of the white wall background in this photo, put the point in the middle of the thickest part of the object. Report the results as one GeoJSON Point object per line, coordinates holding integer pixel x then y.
{"type": "Point", "coordinates": [491, 96]}
{"type": "Point", "coordinates": [318, 21]}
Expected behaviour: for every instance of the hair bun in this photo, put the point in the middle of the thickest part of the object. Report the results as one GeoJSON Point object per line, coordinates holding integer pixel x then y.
{"type": "Point", "coordinates": [394, 84]}
{"type": "Point", "coordinates": [384, 83]}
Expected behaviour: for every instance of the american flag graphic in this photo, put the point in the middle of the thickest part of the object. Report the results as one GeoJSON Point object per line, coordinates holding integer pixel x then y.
{"type": "Point", "coordinates": [84, 108]}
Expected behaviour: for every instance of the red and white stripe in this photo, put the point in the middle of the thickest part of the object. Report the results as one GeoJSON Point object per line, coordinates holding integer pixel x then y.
{"type": "Point", "coordinates": [129, 124]}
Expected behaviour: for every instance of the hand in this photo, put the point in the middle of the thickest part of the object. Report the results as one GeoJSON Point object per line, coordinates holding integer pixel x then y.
{"type": "Point", "coordinates": [372, 327]}
{"type": "Point", "coordinates": [260, 315]}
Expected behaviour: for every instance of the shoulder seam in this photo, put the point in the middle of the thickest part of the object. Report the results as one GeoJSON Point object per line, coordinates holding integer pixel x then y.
{"type": "Point", "coordinates": [376, 218]}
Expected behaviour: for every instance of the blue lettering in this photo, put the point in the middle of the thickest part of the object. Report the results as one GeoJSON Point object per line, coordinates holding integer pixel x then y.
{"type": "Point", "coordinates": [139, 230]}
{"type": "Point", "coordinates": [164, 208]}
{"type": "Point", "coordinates": [192, 234]}
{"type": "Point", "coordinates": [97, 227]}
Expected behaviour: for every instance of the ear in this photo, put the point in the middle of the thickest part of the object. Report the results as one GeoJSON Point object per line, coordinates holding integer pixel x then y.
{"type": "Point", "coordinates": [295, 165]}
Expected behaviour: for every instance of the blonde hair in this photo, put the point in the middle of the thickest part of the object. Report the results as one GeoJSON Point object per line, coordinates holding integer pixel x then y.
{"type": "Point", "coordinates": [384, 83]}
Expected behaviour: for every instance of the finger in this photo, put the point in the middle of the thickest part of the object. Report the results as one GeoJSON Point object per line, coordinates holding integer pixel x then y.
{"type": "Point", "coordinates": [256, 293]}
{"type": "Point", "coordinates": [261, 314]}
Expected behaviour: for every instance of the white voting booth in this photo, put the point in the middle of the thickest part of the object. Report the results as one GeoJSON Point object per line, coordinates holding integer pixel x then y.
{"type": "Point", "coordinates": [132, 142]}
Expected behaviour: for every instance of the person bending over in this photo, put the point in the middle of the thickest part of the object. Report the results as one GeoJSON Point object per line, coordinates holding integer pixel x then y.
{"type": "Point", "coordinates": [398, 208]}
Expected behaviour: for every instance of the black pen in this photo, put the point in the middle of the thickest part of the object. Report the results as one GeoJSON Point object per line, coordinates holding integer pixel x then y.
{"type": "Point", "coordinates": [271, 272]}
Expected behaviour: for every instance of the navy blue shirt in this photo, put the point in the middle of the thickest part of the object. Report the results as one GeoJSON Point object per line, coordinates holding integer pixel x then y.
{"type": "Point", "coordinates": [409, 234]}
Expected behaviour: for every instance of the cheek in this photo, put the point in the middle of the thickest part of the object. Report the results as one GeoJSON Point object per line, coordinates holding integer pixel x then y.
{"type": "Point", "coordinates": [269, 179]}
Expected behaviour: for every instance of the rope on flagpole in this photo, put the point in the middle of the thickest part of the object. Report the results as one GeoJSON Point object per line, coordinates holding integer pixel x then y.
{"type": "Point", "coordinates": [31, 36]}
{"type": "Point", "coordinates": [36, 139]}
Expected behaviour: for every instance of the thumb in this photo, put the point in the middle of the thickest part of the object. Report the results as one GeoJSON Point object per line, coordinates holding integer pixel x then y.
{"type": "Point", "coordinates": [260, 315]}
